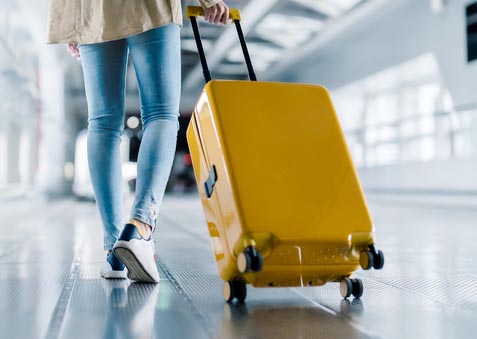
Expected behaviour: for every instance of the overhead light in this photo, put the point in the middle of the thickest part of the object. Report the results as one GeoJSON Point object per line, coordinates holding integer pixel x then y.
{"type": "Point", "coordinates": [438, 5]}
{"type": "Point", "coordinates": [132, 122]}
{"type": "Point", "coordinates": [69, 170]}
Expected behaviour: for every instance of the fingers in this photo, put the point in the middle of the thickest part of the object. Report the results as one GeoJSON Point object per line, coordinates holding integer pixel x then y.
{"type": "Point", "coordinates": [210, 14]}
{"type": "Point", "coordinates": [217, 14]}
{"type": "Point", "coordinates": [224, 19]}
{"type": "Point", "coordinates": [74, 50]}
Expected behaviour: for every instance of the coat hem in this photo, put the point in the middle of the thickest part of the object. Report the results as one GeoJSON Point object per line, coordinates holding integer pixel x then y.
{"type": "Point", "coordinates": [113, 38]}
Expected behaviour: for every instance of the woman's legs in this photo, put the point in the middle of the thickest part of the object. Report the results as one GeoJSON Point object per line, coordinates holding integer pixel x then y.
{"type": "Point", "coordinates": [156, 58]}
{"type": "Point", "coordinates": [104, 70]}
{"type": "Point", "coordinates": [157, 62]}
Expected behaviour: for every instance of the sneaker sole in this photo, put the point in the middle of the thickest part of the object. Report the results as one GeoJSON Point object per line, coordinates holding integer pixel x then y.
{"type": "Point", "coordinates": [114, 275]}
{"type": "Point", "coordinates": [135, 269]}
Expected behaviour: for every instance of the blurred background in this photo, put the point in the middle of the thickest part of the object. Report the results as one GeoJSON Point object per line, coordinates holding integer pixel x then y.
{"type": "Point", "coordinates": [403, 77]}
{"type": "Point", "coordinates": [401, 73]}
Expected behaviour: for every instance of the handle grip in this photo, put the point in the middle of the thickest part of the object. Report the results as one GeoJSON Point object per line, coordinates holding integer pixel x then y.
{"type": "Point", "coordinates": [195, 11]}
{"type": "Point", "coordinates": [192, 12]}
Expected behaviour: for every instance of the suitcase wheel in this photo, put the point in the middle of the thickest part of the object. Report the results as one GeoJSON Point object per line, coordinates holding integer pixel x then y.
{"type": "Point", "coordinates": [371, 258]}
{"type": "Point", "coordinates": [366, 260]}
{"type": "Point", "coordinates": [235, 289]}
{"type": "Point", "coordinates": [249, 260]}
{"type": "Point", "coordinates": [378, 260]}
{"type": "Point", "coordinates": [350, 287]}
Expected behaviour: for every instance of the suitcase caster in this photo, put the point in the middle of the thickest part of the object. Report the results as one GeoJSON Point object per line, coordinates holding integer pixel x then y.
{"type": "Point", "coordinates": [371, 258]}
{"type": "Point", "coordinates": [350, 287]}
{"type": "Point", "coordinates": [235, 289]}
{"type": "Point", "coordinates": [366, 260]}
{"type": "Point", "coordinates": [249, 260]}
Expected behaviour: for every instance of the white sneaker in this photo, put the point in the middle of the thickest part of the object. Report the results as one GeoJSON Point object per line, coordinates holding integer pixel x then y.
{"type": "Point", "coordinates": [113, 268]}
{"type": "Point", "coordinates": [137, 254]}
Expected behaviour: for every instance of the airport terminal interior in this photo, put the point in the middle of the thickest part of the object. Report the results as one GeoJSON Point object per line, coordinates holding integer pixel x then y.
{"type": "Point", "coordinates": [402, 76]}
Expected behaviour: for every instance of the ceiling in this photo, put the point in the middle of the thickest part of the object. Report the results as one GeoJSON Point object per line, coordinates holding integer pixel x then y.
{"type": "Point", "coordinates": [274, 29]}
{"type": "Point", "coordinates": [277, 31]}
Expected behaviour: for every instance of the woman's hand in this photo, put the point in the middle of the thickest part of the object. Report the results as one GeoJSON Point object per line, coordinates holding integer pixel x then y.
{"type": "Point", "coordinates": [74, 50]}
{"type": "Point", "coordinates": [217, 14]}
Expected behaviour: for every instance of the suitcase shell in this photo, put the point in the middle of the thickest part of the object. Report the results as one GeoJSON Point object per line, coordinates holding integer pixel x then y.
{"type": "Point", "coordinates": [285, 182]}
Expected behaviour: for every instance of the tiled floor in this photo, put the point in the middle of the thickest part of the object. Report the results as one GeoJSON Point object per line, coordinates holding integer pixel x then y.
{"type": "Point", "coordinates": [50, 254]}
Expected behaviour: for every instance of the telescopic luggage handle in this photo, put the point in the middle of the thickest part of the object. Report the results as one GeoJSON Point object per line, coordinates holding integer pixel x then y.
{"type": "Point", "coordinates": [192, 12]}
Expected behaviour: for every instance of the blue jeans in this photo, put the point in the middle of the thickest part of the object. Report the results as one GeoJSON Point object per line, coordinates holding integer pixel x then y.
{"type": "Point", "coordinates": [156, 58]}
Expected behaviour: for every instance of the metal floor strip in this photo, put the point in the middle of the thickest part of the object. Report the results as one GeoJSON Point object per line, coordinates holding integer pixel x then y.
{"type": "Point", "coordinates": [58, 315]}
{"type": "Point", "coordinates": [59, 312]}
{"type": "Point", "coordinates": [194, 310]}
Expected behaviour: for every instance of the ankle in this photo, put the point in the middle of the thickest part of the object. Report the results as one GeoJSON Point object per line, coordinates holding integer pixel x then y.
{"type": "Point", "coordinates": [144, 229]}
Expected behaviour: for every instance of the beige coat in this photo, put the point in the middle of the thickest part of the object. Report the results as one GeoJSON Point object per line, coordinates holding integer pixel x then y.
{"type": "Point", "coordinates": [92, 21]}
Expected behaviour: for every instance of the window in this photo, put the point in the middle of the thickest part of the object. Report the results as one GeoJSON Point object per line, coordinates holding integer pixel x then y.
{"type": "Point", "coordinates": [471, 13]}
{"type": "Point", "coordinates": [404, 114]}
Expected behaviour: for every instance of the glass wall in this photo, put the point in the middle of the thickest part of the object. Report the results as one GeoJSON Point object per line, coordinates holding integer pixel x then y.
{"type": "Point", "coordinates": [19, 105]}
{"type": "Point", "coordinates": [405, 114]}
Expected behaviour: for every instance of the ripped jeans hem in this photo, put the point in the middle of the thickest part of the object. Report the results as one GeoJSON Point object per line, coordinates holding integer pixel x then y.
{"type": "Point", "coordinates": [108, 247]}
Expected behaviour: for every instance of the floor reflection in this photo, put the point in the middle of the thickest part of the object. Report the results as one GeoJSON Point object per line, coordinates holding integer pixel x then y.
{"type": "Point", "coordinates": [351, 307]}
{"type": "Point", "coordinates": [131, 308]}
{"type": "Point", "coordinates": [241, 320]}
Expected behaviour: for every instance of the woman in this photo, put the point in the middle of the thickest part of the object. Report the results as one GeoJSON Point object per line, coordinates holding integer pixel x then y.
{"type": "Point", "coordinates": [103, 33]}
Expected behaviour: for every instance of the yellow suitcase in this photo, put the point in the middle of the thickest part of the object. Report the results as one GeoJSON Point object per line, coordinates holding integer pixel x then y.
{"type": "Point", "coordinates": [282, 199]}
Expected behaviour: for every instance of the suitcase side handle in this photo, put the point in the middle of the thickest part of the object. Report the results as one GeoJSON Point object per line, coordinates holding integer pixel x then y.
{"type": "Point", "coordinates": [192, 12]}
{"type": "Point", "coordinates": [210, 182]}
